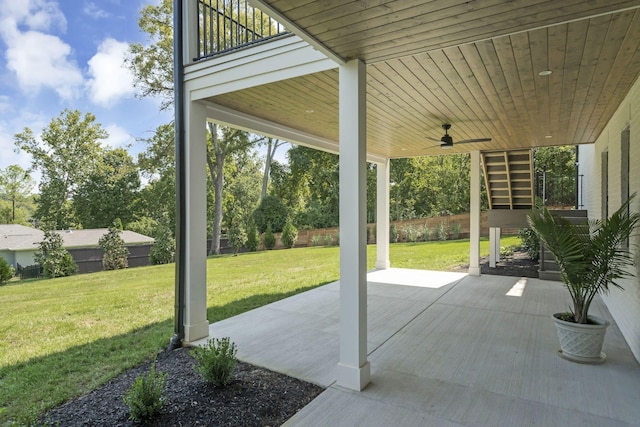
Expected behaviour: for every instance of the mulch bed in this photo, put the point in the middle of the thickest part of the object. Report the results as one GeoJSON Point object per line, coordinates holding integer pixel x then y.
{"type": "Point", "coordinates": [519, 264]}
{"type": "Point", "coordinates": [256, 397]}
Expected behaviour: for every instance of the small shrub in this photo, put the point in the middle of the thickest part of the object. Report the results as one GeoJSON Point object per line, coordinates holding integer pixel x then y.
{"type": "Point", "coordinates": [411, 233]}
{"type": "Point", "coordinates": [269, 238]}
{"type": "Point", "coordinates": [289, 235]}
{"type": "Point", "coordinates": [216, 361]}
{"type": "Point", "coordinates": [253, 238]}
{"type": "Point", "coordinates": [54, 259]}
{"type": "Point", "coordinates": [530, 242]}
{"type": "Point", "coordinates": [455, 230]}
{"type": "Point", "coordinates": [116, 254]}
{"type": "Point", "coordinates": [442, 231]}
{"type": "Point", "coordinates": [426, 233]}
{"type": "Point", "coordinates": [506, 251]}
{"type": "Point", "coordinates": [164, 248]}
{"type": "Point", "coordinates": [237, 238]}
{"type": "Point", "coordinates": [6, 271]}
{"type": "Point", "coordinates": [393, 234]}
{"type": "Point", "coordinates": [328, 239]}
{"type": "Point", "coordinates": [316, 240]}
{"type": "Point", "coordinates": [144, 397]}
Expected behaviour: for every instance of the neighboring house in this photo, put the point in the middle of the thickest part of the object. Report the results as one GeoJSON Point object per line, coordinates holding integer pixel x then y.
{"type": "Point", "coordinates": [19, 244]}
{"type": "Point", "coordinates": [379, 80]}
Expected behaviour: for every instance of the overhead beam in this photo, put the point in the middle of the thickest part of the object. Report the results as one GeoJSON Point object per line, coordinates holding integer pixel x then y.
{"type": "Point", "coordinates": [232, 118]}
{"type": "Point", "coordinates": [295, 28]}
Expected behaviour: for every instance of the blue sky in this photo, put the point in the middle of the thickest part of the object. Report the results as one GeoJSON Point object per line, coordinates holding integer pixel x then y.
{"type": "Point", "coordinates": [69, 54]}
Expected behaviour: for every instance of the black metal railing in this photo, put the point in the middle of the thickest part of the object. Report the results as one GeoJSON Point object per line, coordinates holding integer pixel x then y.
{"type": "Point", "coordinates": [557, 190]}
{"type": "Point", "coordinates": [225, 25]}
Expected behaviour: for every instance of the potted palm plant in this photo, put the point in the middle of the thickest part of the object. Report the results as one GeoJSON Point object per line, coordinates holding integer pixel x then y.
{"type": "Point", "coordinates": [591, 257]}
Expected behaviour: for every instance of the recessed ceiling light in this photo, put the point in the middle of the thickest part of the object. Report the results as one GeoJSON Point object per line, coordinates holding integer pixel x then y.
{"type": "Point", "coordinates": [545, 73]}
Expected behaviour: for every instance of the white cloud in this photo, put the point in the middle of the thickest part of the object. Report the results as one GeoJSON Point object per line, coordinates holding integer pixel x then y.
{"type": "Point", "coordinates": [111, 80]}
{"type": "Point", "coordinates": [40, 15]}
{"type": "Point", "coordinates": [94, 11]}
{"type": "Point", "coordinates": [118, 137]}
{"type": "Point", "coordinates": [42, 60]}
{"type": "Point", "coordinates": [38, 60]}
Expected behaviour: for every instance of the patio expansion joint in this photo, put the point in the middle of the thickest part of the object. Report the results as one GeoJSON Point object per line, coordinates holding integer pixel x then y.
{"type": "Point", "coordinates": [408, 322]}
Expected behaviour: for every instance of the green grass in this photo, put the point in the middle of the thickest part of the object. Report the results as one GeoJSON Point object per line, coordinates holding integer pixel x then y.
{"type": "Point", "coordinates": [64, 337]}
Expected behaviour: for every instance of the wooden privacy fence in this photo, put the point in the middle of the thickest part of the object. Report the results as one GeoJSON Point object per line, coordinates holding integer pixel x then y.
{"type": "Point", "coordinates": [455, 226]}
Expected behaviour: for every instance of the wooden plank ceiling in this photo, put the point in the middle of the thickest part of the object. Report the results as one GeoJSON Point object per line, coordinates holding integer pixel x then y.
{"type": "Point", "coordinates": [473, 64]}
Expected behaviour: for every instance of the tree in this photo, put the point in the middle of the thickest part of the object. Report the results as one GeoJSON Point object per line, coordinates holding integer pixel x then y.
{"type": "Point", "coordinates": [237, 237]}
{"type": "Point", "coordinates": [223, 142]}
{"type": "Point", "coordinates": [6, 271]}
{"type": "Point", "coordinates": [272, 146]}
{"type": "Point", "coordinates": [15, 186]}
{"type": "Point", "coordinates": [253, 238]}
{"type": "Point", "coordinates": [164, 248]}
{"type": "Point", "coordinates": [55, 260]}
{"type": "Point", "coordinates": [152, 63]}
{"type": "Point", "coordinates": [116, 254]}
{"type": "Point", "coordinates": [109, 192]}
{"type": "Point", "coordinates": [269, 238]}
{"type": "Point", "coordinates": [271, 213]}
{"type": "Point", "coordinates": [65, 158]}
{"type": "Point", "coordinates": [289, 235]}
{"type": "Point", "coordinates": [157, 200]}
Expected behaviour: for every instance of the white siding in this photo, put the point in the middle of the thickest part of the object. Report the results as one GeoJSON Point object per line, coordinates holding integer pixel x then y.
{"type": "Point", "coordinates": [624, 305]}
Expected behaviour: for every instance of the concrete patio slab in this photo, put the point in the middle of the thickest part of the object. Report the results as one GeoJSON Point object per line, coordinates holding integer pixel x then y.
{"type": "Point", "coordinates": [446, 349]}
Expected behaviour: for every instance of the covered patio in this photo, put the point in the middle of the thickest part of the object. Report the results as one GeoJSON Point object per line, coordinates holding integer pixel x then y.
{"type": "Point", "coordinates": [446, 349]}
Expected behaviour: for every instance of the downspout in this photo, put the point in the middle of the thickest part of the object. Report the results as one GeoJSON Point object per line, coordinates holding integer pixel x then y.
{"type": "Point", "coordinates": [181, 207]}
{"type": "Point", "coordinates": [577, 178]}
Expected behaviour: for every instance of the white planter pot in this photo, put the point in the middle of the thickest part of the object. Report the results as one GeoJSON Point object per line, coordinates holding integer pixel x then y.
{"type": "Point", "coordinates": [581, 343]}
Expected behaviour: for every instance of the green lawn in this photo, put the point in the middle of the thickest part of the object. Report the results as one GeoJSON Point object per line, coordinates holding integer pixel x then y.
{"type": "Point", "coordinates": [64, 337]}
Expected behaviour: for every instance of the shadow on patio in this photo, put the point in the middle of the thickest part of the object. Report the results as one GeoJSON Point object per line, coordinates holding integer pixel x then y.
{"type": "Point", "coordinates": [446, 349]}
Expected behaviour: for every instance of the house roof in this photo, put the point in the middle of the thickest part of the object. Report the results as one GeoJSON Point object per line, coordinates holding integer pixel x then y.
{"type": "Point", "coordinates": [472, 64]}
{"type": "Point", "coordinates": [20, 238]}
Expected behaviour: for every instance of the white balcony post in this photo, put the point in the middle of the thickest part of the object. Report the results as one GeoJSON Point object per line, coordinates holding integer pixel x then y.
{"type": "Point", "coordinates": [494, 246]}
{"type": "Point", "coordinates": [474, 220]}
{"type": "Point", "coordinates": [190, 29]}
{"type": "Point", "coordinates": [382, 215]}
{"type": "Point", "coordinates": [196, 325]}
{"type": "Point", "coordinates": [353, 368]}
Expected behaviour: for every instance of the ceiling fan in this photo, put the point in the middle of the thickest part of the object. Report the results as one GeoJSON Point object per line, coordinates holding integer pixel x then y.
{"type": "Point", "coordinates": [447, 141]}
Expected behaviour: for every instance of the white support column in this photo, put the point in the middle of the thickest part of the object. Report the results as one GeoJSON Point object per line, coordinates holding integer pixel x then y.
{"type": "Point", "coordinates": [382, 215]}
{"type": "Point", "coordinates": [494, 246]}
{"type": "Point", "coordinates": [196, 325]}
{"type": "Point", "coordinates": [353, 368]}
{"type": "Point", "coordinates": [474, 220]}
{"type": "Point", "coordinates": [190, 28]}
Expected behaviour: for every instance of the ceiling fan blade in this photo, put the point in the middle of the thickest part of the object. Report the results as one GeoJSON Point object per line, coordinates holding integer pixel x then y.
{"type": "Point", "coordinates": [465, 141]}
{"type": "Point", "coordinates": [433, 139]}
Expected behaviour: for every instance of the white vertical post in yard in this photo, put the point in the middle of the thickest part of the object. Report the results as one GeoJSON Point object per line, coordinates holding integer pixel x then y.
{"type": "Point", "coordinates": [353, 368]}
{"type": "Point", "coordinates": [196, 325]}
{"type": "Point", "coordinates": [474, 217]}
{"type": "Point", "coordinates": [382, 215]}
{"type": "Point", "coordinates": [494, 246]}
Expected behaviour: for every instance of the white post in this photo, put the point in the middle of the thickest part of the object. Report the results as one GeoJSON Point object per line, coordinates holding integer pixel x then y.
{"type": "Point", "coordinates": [353, 368]}
{"type": "Point", "coordinates": [190, 28]}
{"type": "Point", "coordinates": [382, 215]}
{"type": "Point", "coordinates": [196, 325]}
{"type": "Point", "coordinates": [474, 225]}
{"type": "Point", "coordinates": [494, 246]}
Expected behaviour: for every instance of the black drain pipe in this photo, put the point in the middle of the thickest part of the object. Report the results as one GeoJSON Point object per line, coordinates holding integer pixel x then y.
{"type": "Point", "coordinates": [181, 207]}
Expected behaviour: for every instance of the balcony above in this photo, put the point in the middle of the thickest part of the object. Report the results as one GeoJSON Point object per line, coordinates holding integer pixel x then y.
{"type": "Point", "coordinates": [227, 25]}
